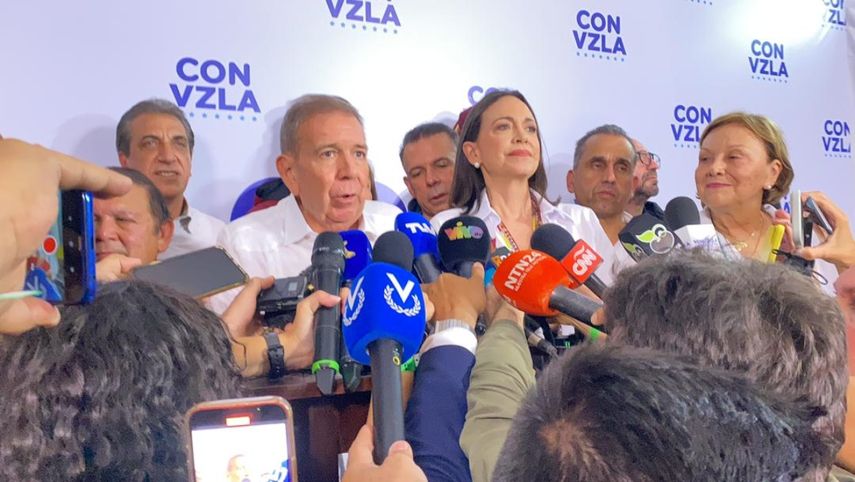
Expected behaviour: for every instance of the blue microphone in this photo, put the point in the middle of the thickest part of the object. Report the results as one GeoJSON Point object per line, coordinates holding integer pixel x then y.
{"type": "Point", "coordinates": [357, 255]}
{"type": "Point", "coordinates": [423, 239]}
{"type": "Point", "coordinates": [383, 324]}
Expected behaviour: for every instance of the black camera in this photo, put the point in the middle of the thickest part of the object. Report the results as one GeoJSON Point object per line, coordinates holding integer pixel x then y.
{"type": "Point", "coordinates": [277, 305]}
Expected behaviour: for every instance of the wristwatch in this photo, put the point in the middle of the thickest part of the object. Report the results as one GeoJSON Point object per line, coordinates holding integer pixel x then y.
{"type": "Point", "coordinates": [275, 355]}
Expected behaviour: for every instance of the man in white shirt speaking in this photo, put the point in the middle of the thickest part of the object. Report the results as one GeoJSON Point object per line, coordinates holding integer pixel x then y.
{"type": "Point", "coordinates": [324, 163]}
{"type": "Point", "coordinates": [155, 138]}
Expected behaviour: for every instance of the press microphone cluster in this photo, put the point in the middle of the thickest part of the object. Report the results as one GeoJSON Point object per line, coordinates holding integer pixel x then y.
{"type": "Point", "coordinates": [383, 325]}
{"type": "Point", "coordinates": [425, 253]}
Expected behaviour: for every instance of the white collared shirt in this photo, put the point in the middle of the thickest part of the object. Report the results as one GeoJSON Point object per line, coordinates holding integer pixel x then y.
{"type": "Point", "coordinates": [194, 230]}
{"type": "Point", "coordinates": [278, 242]}
{"type": "Point", "coordinates": [579, 221]}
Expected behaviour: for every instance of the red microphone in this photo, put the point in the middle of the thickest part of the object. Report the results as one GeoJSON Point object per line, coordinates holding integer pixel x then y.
{"type": "Point", "coordinates": [578, 258]}
{"type": "Point", "coordinates": [538, 284]}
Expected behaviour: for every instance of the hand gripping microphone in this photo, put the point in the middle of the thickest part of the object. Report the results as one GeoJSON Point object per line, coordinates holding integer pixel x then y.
{"type": "Point", "coordinates": [537, 284]}
{"type": "Point", "coordinates": [384, 323]}
{"type": "Point", "coordinates": [646, 235]}
{"type": "Point", "coordinates": [463, 241]}
{"type": "Point", "coordinates": [683, 218]}
{"type": "Point", "coordinates": [577, 257]}
{"type": "Point", "coordinates": [423, 239]}
{"type": "Point", "coordinates": [357, 255]}
{"type": "Point", "coordinates": [326, 270]}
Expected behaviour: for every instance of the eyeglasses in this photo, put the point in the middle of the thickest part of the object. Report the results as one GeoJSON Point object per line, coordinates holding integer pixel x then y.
{"type": "Point", "coordinates": [648, 158]}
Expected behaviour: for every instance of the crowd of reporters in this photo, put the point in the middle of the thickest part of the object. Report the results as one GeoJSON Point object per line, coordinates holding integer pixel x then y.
{"type": "Point", "coordinates": [716, 366]}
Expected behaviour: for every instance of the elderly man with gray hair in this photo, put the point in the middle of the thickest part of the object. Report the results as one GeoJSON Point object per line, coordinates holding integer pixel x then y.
{"type": "Point", "coordinates": [155, 138]}
{"type": "Point", "coordinates": [324, 163]}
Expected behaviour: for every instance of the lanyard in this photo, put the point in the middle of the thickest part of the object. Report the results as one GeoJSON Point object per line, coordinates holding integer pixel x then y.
{"type": "Point", "coordinates": [505, 233]}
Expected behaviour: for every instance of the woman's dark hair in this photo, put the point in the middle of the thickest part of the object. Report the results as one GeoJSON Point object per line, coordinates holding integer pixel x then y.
{"type": "Point", "coordinates": [102, 396]}
{"type": "Point", "coordinates": [468, 181]}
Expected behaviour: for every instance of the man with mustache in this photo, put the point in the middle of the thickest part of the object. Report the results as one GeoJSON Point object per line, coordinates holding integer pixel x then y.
{"type": "Point", "coordinates": [602, 176]}
{"type": "Point", "coordinates": [646, 177]}
{"type": "Point", "coordinates": [427, 155]}
{"type": "Point", "coordinates": [155, 138]}
{"type": "Point", "coordinates": [324, 164]}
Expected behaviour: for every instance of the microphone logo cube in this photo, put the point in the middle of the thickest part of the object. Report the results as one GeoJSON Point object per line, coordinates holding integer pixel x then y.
{"type": "Point", "coordinates": [403, 294]}
{"type": "Point", "coordinates": [419, 228]}
{"type": "Point", "coordinates": [583, 260]}
{"type": "Point", "coordinates": [356, 295]}
{"type": "Point", "coordinates": [459, 231]}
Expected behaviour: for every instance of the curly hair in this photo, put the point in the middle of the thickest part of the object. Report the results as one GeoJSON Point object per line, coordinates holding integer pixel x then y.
{"type": "Point", "coordinates": [103, 395]}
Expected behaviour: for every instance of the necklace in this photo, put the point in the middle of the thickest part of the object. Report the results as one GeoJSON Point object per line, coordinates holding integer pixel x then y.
{"type": "Point", "coordinates": [753, 238]}
{"type": "Point", "coordinates": [506, 233]}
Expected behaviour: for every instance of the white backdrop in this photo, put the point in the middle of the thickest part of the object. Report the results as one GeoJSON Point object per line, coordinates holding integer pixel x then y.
{"type": "Point", "coordinates": [70, 69]}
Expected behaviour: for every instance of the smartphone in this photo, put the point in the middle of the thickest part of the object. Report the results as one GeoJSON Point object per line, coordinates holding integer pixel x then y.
{"type": "Point", "coordinates": [245, 439]}
{"type": "Point", "coordinates": [817, 216]}
{"type": "Point", "coordinates": [797, 219]}
{"type": "Point", "coordinates": [63, 268]}
{"type": "Point", "coordinates": [198, 274]}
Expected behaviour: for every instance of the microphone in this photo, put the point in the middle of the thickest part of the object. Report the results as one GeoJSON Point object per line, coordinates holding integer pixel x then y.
{"type": "Point", "coordinates": [577, 257]}
{"type": "Point", "coordinates": [384, 322]}
{"type": "Point", "coordinates": [326, 271]}
{"type": "Point", "coordinates": [357, 255]}
{"type": "Point", "coordinates": [537, 284]}
{"type": "Point", "coordinates": [537, 341]}
{"type": "Point", "coordinates": [646, 235]}
{"type": "Point", "coordinates": [463, 241]}
{"type": "Point", "coordinates": [681, 215]}
{"type": "Point", "coordinates": [423, 238]}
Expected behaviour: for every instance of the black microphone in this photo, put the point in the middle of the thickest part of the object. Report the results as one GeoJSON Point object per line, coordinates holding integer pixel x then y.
{"type": "Point", "coordinates": [530, 328]}
{"type": "Point", "coordinates": [682, 216]}
{"type": "Point", "coordinates": [463, 241]}
{"type": "Point", "coordinates": [646, 235]}
{"type": "Point", "coordinates": [577, 257]}
{"type": "Point", "coordinates": [326, 272]}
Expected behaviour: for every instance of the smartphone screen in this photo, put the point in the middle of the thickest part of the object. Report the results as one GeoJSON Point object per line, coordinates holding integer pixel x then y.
{"type": "Point", "coordinates": [245, 440]}
{"type": "Point", "coordinates": [197, 274]}
{"type": "Point", "coordinates": [63, 268]}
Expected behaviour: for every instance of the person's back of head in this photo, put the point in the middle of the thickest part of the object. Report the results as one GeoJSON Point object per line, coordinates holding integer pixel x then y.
{"type": "Point", "coordinates": [102, 396]}
{"type": "Point", "coordinates": [765, 320]}
{"type": "Point", "coordinates": [631, 414]}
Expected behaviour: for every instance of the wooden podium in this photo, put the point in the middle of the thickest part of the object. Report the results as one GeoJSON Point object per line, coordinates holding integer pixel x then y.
{"type": "Point", "coordinates": [324, 426]}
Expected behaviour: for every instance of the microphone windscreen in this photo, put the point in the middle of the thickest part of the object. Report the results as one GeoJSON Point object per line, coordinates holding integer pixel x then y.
{"type": "Point", "coordinates": [553, 240]}
{"type": "Point", "coordinates": [463, 239]}
{"type": "Point", "coordinates": [328, 251]}
{"type": "Point", "coordinates": [385, 302]}
{"type": "Point", "coordinates": [394, 248]}
{"type": "Point", "coordinates": [646, 235]}
{"type": "Point", "coordinates": [680, 212]}
{"type": "Point", "coordinates": [357, 252]}
{"type": "Point", "coordinates": [420, 233]}
{"type": "Point", "coordinates": [527, 279]}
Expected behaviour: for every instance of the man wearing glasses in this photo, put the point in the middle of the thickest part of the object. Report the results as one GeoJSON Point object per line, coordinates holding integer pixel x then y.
{"type": "Point", "coordinates": [646, 176]}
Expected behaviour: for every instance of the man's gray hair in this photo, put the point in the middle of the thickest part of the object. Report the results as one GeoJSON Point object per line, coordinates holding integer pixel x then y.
{"type": "Point", "coordinates": [302, 109]}
{"type": "Point", "coordinates": [765, 320]}
{"type": "Point", "coordinates": [150, 106]}
{"type": "Point", "coordinates": [606, 129]}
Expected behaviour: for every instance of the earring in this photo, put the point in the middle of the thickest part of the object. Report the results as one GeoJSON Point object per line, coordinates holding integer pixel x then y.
{"type": "Point", "coordinates": [767, 188]}
{"type": "Point", "coordinates": [477, 165]}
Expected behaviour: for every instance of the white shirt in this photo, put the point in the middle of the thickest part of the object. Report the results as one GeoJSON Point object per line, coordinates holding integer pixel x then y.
{"type": "Point", "coordinates": [194, 230]}
{"type": "Point", "coordinates": [824, 268]}
{"type": "Point", "coordinates": [278, 242]}
{"type": "Point", "coordinates": [579, 221]}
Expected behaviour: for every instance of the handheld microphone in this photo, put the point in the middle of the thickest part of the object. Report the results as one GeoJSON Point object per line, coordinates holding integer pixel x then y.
{"type": "Point", "coordinates": [357, 255]}
{"type": "Point", "coordinates": [646, 235]}
{"type": "Point", "coordinates": [421, 235]}
{"type": "Point", "coordinates": [326, 272]}
{"type": "Point", "coordinates": [681, 215]}
{"type": "Point", "coordinates": [577, 257]}
{"type": "Point", "coordinates": [463, 241]}
{"type": "Point", "coordinates": [537, 284]}
{"type": "Point", "coordinates": [384, 322]}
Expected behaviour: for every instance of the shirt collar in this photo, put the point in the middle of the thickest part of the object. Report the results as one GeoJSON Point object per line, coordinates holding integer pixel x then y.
{"type": "Point", "coordinates": [184, 218]}
{"type": "Point", "coordinates": [294, 225]}
{"type": "Point", "coordinates": [485, 210]}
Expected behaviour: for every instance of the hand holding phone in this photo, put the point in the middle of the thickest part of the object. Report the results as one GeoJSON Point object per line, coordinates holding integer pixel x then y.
{"type": "Point", "coordinates": [245, 439]}
{"type": "Point", "coordinates": [839, 247]}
